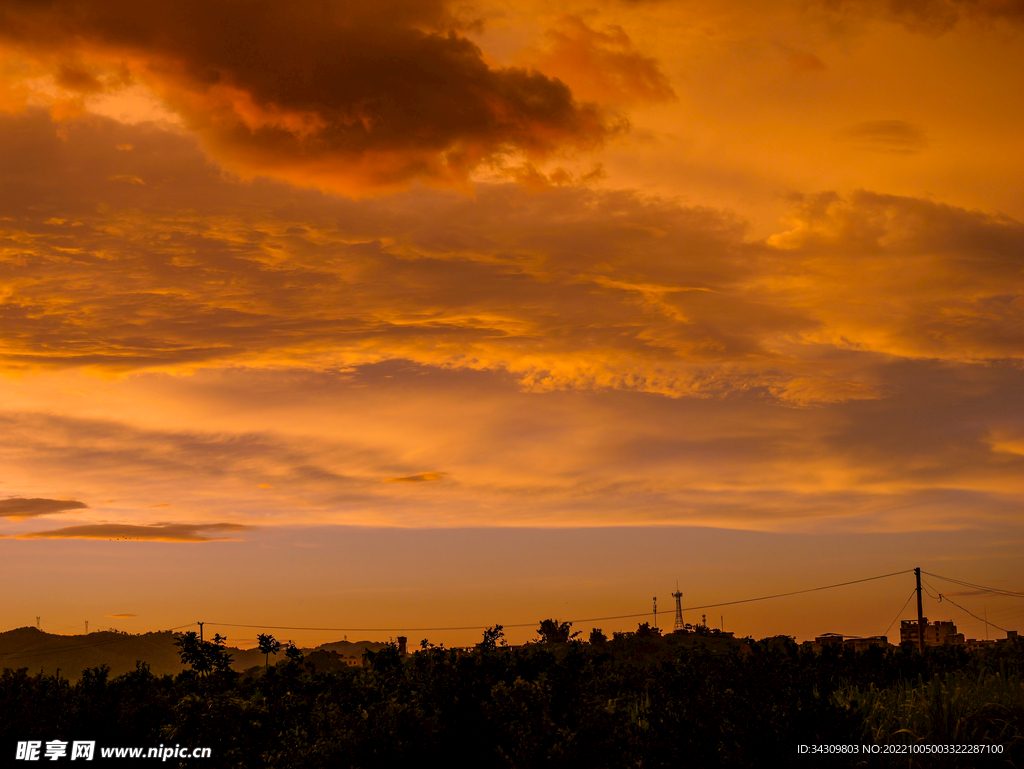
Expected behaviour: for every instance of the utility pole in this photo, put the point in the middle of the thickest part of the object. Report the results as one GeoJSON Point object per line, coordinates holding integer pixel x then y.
{"type": "Point", "coordinates": [37, 622]}
{"type": "Point", "coordinates": [655, 599]}
{"type": "Point", "coordinates": [87, 627]}
{"type": "Point", "coordinates": [920, 612]}
{"type": "Point", "coordinates": [201, 624]}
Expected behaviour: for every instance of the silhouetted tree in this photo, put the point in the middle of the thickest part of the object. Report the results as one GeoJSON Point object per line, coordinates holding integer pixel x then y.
{"type": "Point", "coordinates": [553, 631]}
{"type": "Point", "coordinates": [221, 659]}
{"type": "Point", "coordinates": [597, 637]}
{"type": "Point", "coordinates": [493, 638]}
{"type": "Point", "coordinates": [204, 657]}
{"type": "Point", "coordinates": [292, 653]}
{"type": "Point", "coordinates": [268, 645]}
{"type": "Point", "coordinates": [646, 631]}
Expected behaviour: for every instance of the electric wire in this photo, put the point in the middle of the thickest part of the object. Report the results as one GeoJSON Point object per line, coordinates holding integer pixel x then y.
{"type": "Point", "coordinates": [999, 591]}
{"type": "Point", "coordinates": [925, 585]}
{"type": "Point", "coordinates": [990, 624]}
{"type": "Point", "coordinates": [944, 597]}
{"type": "Point", "coordinates": [886, 633]}
{"type": "Point", "coordinates": [531, 624]}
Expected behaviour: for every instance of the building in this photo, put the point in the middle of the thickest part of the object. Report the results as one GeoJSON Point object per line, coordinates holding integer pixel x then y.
{"type": "Point", "coordinates": [860, 644]}
{"type": "Point", "coordinates": [938, 633]}
{"type": "Point", "coordinates": [829, 639]}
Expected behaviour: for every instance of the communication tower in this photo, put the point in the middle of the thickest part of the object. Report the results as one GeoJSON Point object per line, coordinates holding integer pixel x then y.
{"type": "Point", "coordinates": [679, 610]}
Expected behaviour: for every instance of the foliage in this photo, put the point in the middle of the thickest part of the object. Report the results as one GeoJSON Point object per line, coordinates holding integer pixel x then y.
{"type": "Point", "coordinates": [204, 657]}
{"type": "Point", "coordinates": [955, 708]}
{"type": "Point", "coordinates": [293, 654]}
{"type": "Point", "coordinates": [646, 631]}
{"type": "Point", "coordinates": [552, 631]}
{"type": "Point", "coordinates": [268, 645]}
{"type": "Point", "coordinates": [493, 638]}
{"type": "Point", "coordinates": [630, 702]}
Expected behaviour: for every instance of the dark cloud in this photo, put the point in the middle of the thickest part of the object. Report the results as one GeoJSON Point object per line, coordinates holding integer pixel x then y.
{"type": "Point", "coordinates": [348, 95]}
{"type": "Point", "coordinates": [24, 507]}
{"type": "Point", "coordinates": [893, 136]}
{"type": "Point", "coordinates": [157, 532]}
{"type": "Point", "coordinates": [417, 478]}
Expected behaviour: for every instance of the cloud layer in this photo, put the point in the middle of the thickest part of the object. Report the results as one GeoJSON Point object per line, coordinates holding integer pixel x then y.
{"type": "Point", "coordinates": [21, 507]}
{"type": "Point", "coordinates": [352, 97]}
{"type": "Point", "coordinates": [158, 532]}
{"type": "Point", "coordinates": [568, 288]}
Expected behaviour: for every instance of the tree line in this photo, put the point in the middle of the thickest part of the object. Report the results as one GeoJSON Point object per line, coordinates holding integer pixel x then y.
{"type": "Point", "coordinates": [633, 700]}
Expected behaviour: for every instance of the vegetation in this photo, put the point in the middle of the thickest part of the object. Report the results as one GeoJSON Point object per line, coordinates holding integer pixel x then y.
{"type": "Point", "coordinates": [268, 645]}
{"type": "Point", "coordinates": [637, 700]}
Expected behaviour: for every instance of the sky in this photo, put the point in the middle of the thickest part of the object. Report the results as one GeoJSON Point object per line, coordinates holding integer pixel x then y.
{"type": "Point", "coordinates": [422, 314]}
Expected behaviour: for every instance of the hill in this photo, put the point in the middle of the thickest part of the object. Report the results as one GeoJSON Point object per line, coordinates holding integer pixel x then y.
{"type": "Point", "coordinates": [351, 649]}
{"type": "Point", "coordinates": [28, 647]}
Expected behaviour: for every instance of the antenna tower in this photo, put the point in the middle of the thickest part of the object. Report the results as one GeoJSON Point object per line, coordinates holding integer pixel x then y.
{"type": "Point", "coordinates": [679, 610]}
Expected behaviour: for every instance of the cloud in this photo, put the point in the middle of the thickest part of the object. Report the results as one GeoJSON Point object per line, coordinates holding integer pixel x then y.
{"type": "Point", "coordinates": [355, 97]}
{"type": "Point", "coordinates": [907, 277]}
{"type": "Point", "coordinates": [157, 532]}
{"type": "Point", "coordinates": [932, 17]}
{"type": "Point", "coordinates": [601, 65]}
{"type": "Point", "coordinates": [891, 136]}
{"type": "Point", "coordinates": [566, 288]}
{"type": "Point", "coordinates": [802, 62]}
{"type": "Point", "coordinates": [927, 452]}
{"type": "Point", "coordinates": [122, 616]}
{"type": "Point", "coordinates": [417, 478]}
{"type": "Point", "coordinates": [22, 507]}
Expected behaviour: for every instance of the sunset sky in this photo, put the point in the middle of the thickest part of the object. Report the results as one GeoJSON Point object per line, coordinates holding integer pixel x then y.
{"type": "Point", "coordinates": [417, 314]}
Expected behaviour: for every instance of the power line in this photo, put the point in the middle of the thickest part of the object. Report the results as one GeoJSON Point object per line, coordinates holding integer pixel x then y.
{"type": "Point", "coordinates": [886, 633]}
{"type": "Point", "coordinates": [943, 597]}
{"type": "Point", "coordinates": [934, 597]}
{"type": "Point", "coordinates": [59, 624]}
{"type": "Point", "coordinates": [531, 624]}
{"type": "Point", "coordinates": [798, 592]}
{"type": "Point", "coordinates": [1010, 593]}
{"type": "Point", "coordinates": [992, 624]}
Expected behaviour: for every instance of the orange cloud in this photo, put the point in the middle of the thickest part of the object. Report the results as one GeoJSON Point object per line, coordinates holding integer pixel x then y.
{"type": "Point", "coordinates": [567, 288]}
{"type": "Point", "coordinates": [930, 16]}
{"type": "Point", "coordinates": [895, 136]}
{"type": "Point", "coordinates": [602, 66]}
{"type": "Point", "coordinates": [417, 478]}
{"type": "Point", "coordinates": [21, 507]}
{"type": "Point", "coordinates": [408, 98]}
{"type": "Point", "coordinates": [158, 532]}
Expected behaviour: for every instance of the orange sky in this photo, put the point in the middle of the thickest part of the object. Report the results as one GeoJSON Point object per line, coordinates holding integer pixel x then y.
{"type": "Point", "coordinates": [375, 305]}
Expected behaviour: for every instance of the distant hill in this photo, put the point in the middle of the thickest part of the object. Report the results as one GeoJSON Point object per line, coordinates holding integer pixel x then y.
{"type": "Point", "coordinates": [351, 648]}
{"type": "Point", "coordinates": [29, 647]}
